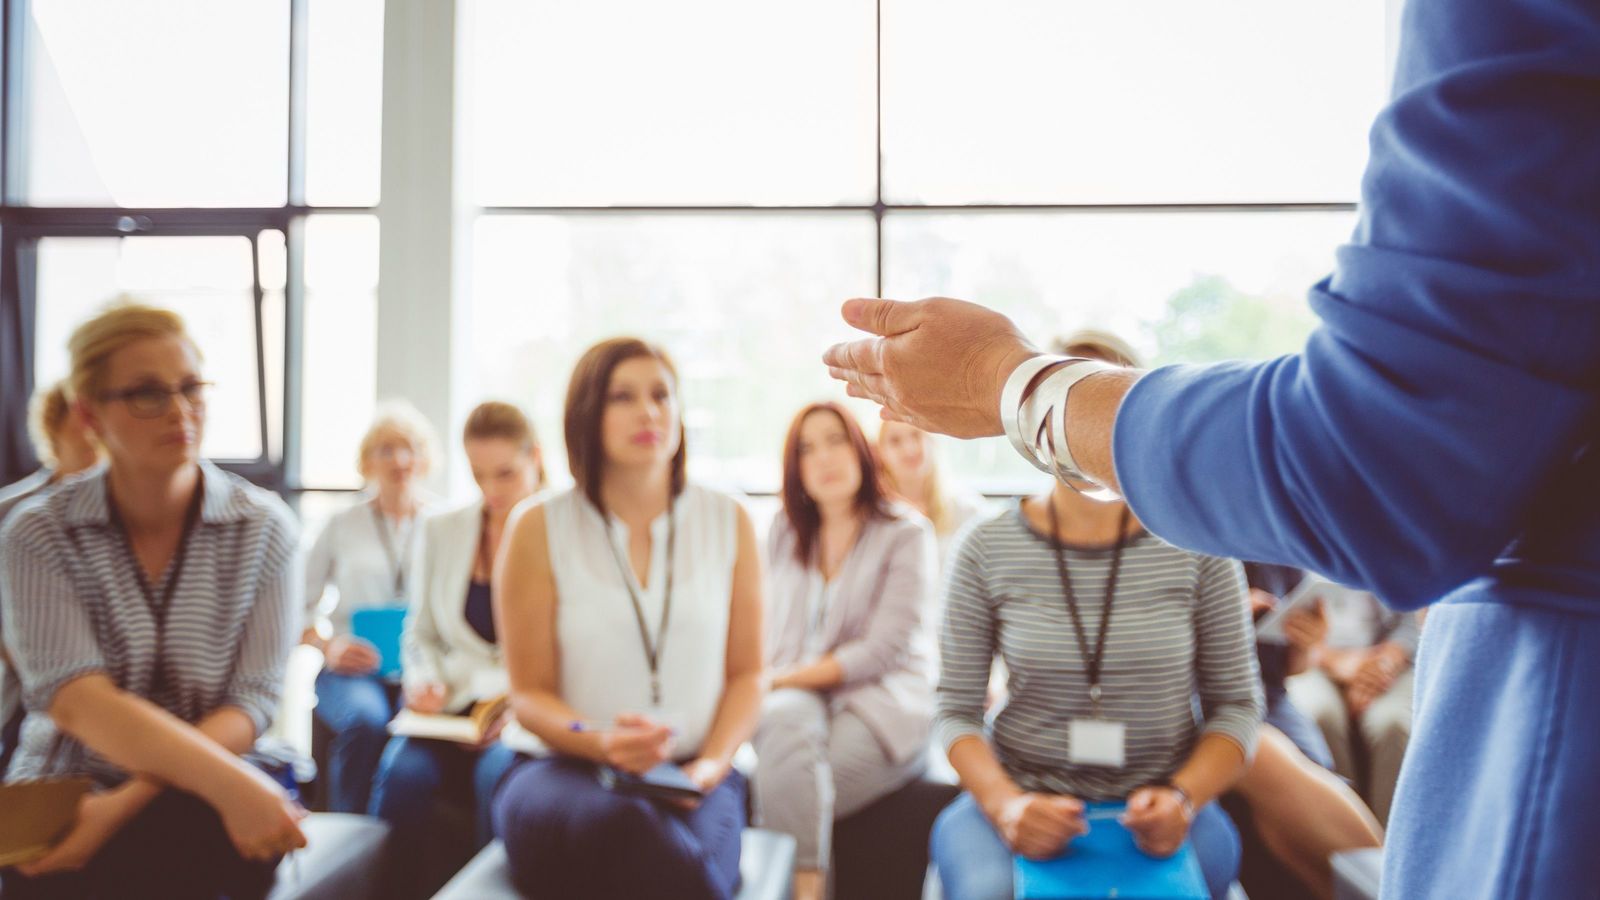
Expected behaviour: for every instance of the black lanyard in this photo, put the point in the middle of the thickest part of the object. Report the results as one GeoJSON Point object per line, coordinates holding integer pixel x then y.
{"type": "Point", "coordinates": [1094, 660]}
{"type": "Point", "coordinates": [161, 605]}
{"type": "Point", "coordinates": [652, 649]}
{"type": "Point", "coordinates": [396, 564]}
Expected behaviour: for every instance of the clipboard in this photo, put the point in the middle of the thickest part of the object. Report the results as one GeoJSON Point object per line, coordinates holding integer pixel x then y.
{"type": "Point", "coordinates": [381, 627]}
{"type": "Point", "coordinates": [1269, 629]}
{"type": "Point", "coordinates": [38, 814]}
{"type": "Point", "coordinates": [1106, 862]}
{"type": "Point", "coordinates": [664, 782]}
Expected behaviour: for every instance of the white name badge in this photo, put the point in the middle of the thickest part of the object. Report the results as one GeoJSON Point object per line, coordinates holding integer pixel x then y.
{"type": "Point", "coordinates": [1096, 742]}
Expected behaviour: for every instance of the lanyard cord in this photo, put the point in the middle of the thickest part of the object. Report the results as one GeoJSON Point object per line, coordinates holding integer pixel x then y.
{"type": "Point", "coordinates": [1095, 660]}
{"type": "Point", "coordinates": [396, 563]}
{"type": "Point", "coordinates": [652, 649]}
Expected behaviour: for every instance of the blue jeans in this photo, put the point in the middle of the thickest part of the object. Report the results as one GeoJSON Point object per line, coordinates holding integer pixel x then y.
{"type": "Point", "coordinates": [567, 836]}
{"type": "Point", "coordinates": [357, 708]}
{"type": "Point", "coordinates": [414, 777]}
{"type": "Point", "coordinates": [974, 864]}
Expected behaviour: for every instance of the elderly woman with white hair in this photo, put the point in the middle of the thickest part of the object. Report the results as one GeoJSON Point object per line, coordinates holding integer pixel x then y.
{"type": "Point", "coordinates": [365, 553]}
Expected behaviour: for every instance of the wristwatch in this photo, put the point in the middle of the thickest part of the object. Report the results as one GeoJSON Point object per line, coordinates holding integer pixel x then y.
{"type": "Point", "coordinates": [1183, 797]}
{"type": "Point", "coordinates": [1035, 421]}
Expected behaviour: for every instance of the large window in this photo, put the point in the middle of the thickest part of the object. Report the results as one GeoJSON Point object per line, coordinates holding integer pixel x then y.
{"type": "Point", "coordinates": [719, 175]}
{"type": "Point", "coordinates": [221, 159]}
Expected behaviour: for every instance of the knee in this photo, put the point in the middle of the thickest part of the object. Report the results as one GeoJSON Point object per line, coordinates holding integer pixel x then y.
{"type": "Point", "coordinates": [791, 717]}
{"type": "Point", "coordinates": [1386, 730]}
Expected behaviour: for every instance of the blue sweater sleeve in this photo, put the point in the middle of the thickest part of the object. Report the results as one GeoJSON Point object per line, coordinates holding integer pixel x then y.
{"type": "Point", "coordinates": [1455, 377]}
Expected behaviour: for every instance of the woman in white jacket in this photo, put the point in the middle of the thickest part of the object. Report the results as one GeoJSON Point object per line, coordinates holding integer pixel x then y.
{"type": "Point", "coordinates": [452, 654]}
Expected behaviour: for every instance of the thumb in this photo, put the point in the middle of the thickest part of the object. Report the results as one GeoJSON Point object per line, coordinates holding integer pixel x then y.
{"type": "Point", "coordinates": [882, 317]}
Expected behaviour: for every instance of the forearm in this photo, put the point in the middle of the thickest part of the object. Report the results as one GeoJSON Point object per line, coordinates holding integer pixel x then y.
{"type": "Point", "coordinates": [228, 726]}
{"type": "Point", "coordinates": [1214, 766]}
{"type": "Point", "coordinates": [146, 740]}
{"type": "Point", "coordinates": [982, 775]}
{"type": "Point", "coordinates": [555, 723]}
{"type": "Point", "coordinates": [1091, 419]}
{"type": "Point", "coordinates": [736, 717]}
{"type": "Point", "coordinates": [822, 675]}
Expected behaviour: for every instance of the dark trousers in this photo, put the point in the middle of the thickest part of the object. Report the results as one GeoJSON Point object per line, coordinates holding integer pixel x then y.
{"type": "Point", "coordinates": [175, 849]}
{"type": "Point", "coordinates": [567, 836]}
{"type": "Point", "coordinates": [420, 782]}
{"type": "Point", "coordinates": [357, 708]}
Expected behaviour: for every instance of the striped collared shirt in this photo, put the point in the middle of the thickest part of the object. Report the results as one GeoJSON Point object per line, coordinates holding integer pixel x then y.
{"type": "Point", "coordinates": [72, 605]}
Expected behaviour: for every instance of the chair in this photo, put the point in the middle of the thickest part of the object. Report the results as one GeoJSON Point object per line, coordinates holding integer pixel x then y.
{"type": "Point", "coordinates": [881, 852]}
{"type": "Point", "coordinates": [1356, 874]}
{"type": "Point", "coordinates": [342, 860]}
{"type": "Point", "coordinates": [766, 860]}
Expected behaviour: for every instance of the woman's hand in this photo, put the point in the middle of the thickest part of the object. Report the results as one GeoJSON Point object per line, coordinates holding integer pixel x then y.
{"type": "Point", "coordinates": [1159, 820]}
{"type": "Point", "coordinates": [427, 699]}
{"type": "Point", "coordinates": [350, 655]}
{"type": "Point", "coordinates": [1306, 627]}
{"type": "Point", "coordinates": [1038, 826]}
{"type": "Point", "coordinates": [100, 817]}
{"type": "Point", "coordinates": [261, 820]}
{"type": "Point", "coordinates": [706, 775]}
{"type": "Point", "coordinates": [1374, 676]}
{"type": "Point", "coordinates": [637, 744]}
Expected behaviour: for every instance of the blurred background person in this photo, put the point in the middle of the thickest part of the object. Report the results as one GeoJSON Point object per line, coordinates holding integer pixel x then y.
{"type": "Point", "coordinates": [910, 461]}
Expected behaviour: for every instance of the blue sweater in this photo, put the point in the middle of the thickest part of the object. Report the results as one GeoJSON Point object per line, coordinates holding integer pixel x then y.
{"type": "Point", "coordinates": [1436, 430]}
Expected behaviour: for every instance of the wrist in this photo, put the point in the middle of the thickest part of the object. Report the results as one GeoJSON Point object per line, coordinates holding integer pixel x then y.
{"type": "Point", "coordinates": [993, 799]}
{"type": "Point", "coordinates": [1184, 797]}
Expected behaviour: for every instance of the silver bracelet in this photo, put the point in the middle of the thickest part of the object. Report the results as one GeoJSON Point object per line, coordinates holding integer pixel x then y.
{"type": "Point", "coordinates": [1034, 423]}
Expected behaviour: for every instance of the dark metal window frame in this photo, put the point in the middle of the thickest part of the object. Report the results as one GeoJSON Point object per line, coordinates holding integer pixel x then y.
{"type": "Point", "coordinates": [22, 226]}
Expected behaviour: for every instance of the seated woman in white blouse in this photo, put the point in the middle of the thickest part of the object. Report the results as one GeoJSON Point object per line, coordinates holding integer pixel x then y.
{"type": "Point", "coordinates": [150, 607]}
{"type": "Point", "coordinates": [365, 552]}
{"type": "Point", "coordinates": [630, 612]}
{"type": "Point", "coordinates": [849, 576]}
{"type": "Point", "coordinates": [452, 654]}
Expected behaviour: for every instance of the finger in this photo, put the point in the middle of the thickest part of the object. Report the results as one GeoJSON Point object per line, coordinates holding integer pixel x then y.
{"type": "Point", "coordinates": [881, 316]}
{"type": "Point", "coordinates": [865, 355]}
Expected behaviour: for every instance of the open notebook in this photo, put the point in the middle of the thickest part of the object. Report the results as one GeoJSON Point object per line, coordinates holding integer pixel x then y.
{"type": "Point", "coordinates": [34, 815]}
{"type": "Point", "coordinates": [467, 729]}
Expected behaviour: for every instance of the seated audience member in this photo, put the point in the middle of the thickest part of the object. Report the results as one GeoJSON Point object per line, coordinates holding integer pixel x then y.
{"type": "Point", "coordinates": [911, 473]}
{"type": "Point", "coordinates": [848, 578]}
{"type": "Point", "coordinates": [66, 447]}
{"type": "Point", "coordinates": [1306, 628]}
{"type": "Point", "coordinates": [1096, 619]}
{"type": "Point", "coordinates": [1359, 691]}
{"type": "Point", "coordinates": [630, 610]}
{"type": "Point", "coordinates": [150, 607]}
{"type": "Point", "coordinates": [452, 653]}
{"type": "Point", "coordinates": [364, 552]}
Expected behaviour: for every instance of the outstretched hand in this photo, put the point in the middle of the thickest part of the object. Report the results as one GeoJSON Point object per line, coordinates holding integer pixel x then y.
{"type": "Point", "coordinates": [938, 364]}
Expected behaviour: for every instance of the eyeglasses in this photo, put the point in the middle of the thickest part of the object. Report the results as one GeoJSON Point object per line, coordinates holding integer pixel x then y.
{"type": "Point", "coordinates": [151, 401]}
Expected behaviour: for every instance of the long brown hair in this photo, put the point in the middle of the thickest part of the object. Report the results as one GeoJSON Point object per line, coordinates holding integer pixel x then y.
{"type": "Point", "coordinates": [798, 507]}
{"type": "Point", "coordinates": [586, 404]}
{"type": "Point", "coordinates": [496, 419]}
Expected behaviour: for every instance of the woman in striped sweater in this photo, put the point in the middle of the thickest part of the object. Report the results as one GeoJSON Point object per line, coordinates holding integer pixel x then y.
{"type": "Point", "coordinates": [1108, 634]}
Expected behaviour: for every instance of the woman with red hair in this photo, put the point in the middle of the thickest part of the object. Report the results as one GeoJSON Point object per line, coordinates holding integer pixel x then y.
{"type": "Point", "coordinates": [851, 703]}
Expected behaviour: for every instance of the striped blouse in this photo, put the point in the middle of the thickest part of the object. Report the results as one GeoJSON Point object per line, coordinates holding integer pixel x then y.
{"type": "Point", "coordinates": [72, 606]}
{"type": "Point", "coordinates": [1180, 631]}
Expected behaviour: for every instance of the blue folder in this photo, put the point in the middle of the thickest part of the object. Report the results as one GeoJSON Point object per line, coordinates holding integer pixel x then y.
{"type": "Point", "coordinates": [381, 626]}
{"type": "Point", "coordinates": [1106, 863]}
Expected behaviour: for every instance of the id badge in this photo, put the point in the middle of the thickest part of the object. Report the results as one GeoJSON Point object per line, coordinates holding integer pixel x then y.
{"type": "Point", "coordinates": [1096, 742]}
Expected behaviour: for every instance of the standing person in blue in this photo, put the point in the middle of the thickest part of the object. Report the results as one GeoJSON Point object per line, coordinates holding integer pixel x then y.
{"type": "Point", "coordinates": [452, 658]}
{"type": "Point", "coordinates": [365, 553]}
{"type": "Point", "coordinates": [630, 611]}
{"type": "Point", "coordinates": [1435, 441]}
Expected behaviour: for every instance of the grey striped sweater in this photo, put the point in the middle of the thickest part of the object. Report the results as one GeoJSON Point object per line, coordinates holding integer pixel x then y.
{"type": "Point", "coordinates": [1179, 661]}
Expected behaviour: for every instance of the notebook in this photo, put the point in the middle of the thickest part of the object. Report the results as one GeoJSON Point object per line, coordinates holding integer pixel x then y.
{"type": "Point", "coordinates": [381, 627]}
{"type": "Point", "coordinates": [1106, 863]}
{"type": "Point", "coordinates": [664, 782]}
{"type": "Point", "coordinates": [37, 815]}
{"type": "Point", "coordinates": [467, 729]}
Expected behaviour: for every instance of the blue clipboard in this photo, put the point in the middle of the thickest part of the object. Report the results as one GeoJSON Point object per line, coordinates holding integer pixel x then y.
{"type": "Point", "coordinates": [1106, 863]}
{"type": "Point", "coordinates": [381, 627]}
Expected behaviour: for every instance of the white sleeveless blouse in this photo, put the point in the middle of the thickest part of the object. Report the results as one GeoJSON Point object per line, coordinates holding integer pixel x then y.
{"type": "Point", "coordinates": [604, 669]}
